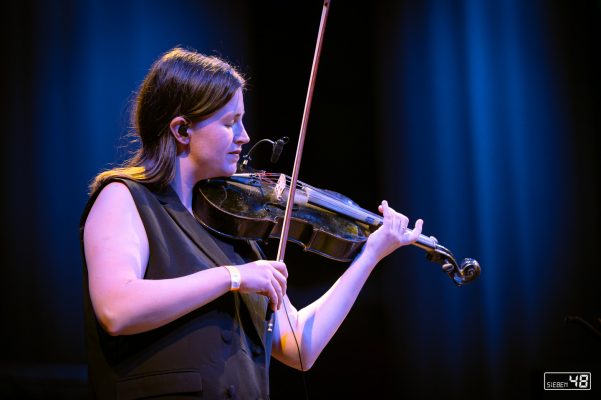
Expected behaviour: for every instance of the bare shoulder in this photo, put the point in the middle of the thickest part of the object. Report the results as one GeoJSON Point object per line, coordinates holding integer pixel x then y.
{"type": "Point", "coordinates": [114, 195]}
{"type": "Point", "coordinates": [114, 234]}
{"type": "Point", "coordinates": [113, 201]}
{"type": "Point", "coordinates": [114, 212]}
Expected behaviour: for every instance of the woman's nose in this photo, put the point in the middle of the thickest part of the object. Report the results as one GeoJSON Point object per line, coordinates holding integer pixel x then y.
{"type": "Point", "coordinates": [243, 137]}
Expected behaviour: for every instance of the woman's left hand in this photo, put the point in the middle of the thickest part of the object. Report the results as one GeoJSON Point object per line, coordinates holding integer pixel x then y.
{"type": "Point", "coordinates": [392, 234]}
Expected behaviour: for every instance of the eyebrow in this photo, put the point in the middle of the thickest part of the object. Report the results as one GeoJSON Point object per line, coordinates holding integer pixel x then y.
{"type": "Point", "coordinates": [233, 114]}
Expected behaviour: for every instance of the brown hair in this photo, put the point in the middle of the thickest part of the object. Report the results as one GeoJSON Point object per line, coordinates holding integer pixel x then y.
{"type": "Point", "coordinates": [180, 83]}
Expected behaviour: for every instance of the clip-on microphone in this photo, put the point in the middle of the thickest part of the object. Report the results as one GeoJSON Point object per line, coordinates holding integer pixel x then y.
{"type": "Point", "coordinates": [276, 151]}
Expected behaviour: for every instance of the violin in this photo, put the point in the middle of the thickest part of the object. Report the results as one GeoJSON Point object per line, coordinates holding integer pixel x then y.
{"type": "Point", "coordinates": [251, 206]}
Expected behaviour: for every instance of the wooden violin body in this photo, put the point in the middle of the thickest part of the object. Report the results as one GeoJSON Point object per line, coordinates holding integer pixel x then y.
{"type": "Point", "coordinates": [244, 206]}
{"type": "Point", "coordinates": [252, 206]}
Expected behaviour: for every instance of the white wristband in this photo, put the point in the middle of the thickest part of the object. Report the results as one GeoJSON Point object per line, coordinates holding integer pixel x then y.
{"type": "Point", "coordinates": [234, 277]}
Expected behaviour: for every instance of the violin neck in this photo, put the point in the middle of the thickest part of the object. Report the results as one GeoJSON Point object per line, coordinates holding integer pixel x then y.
{"type": "Point", "coordinates": [355, 212]}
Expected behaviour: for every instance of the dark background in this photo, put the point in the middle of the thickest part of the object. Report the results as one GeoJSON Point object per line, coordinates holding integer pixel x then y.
{"type": "Point", "coordinates": [482, 118]}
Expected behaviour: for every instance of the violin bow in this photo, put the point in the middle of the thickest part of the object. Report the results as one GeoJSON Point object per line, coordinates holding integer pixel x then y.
{"type": "Point", "coordinates": [299, 150]}
{"type": "Point", "coordinates": [301, 136]}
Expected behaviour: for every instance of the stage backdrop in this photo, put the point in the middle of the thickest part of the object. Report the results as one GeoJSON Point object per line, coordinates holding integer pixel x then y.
{"type": "Point", "coordinates": [482, 118]}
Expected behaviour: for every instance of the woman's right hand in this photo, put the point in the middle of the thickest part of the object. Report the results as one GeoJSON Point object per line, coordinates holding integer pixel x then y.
{"type": "Point", "coordinates": [265, 277]}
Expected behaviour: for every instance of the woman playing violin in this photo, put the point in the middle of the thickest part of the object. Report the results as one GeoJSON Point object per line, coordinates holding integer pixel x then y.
{"type": "Point", "coordinates": [172, 308]}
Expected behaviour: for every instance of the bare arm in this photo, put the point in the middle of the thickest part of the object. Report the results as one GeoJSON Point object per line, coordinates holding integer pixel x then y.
{"type": "Point", "coordinates": [315, 324]}
{"type": "Point", "coordinates": [116, 251]}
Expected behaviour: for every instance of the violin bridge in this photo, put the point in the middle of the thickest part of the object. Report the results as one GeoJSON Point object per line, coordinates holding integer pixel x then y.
{"type": "Point", "coordinates": [279, 188]}
{"type": "Point", "coordinates": [281, 191]}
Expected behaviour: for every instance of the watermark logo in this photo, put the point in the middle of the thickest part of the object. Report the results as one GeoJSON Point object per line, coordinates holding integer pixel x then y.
{"type": "Point", "coordinates": [567, 381]}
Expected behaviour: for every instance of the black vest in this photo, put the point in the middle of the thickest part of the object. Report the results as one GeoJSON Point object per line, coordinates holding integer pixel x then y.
{"type": "Point", "coordinates": [220, 350]}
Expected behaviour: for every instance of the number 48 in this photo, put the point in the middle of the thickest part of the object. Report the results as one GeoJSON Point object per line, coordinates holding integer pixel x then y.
{"type": "Point", "coordinates": [580, 381]}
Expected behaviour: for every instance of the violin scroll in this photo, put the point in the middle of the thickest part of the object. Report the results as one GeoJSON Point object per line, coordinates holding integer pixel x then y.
{"type": "Point", "coordinates": [465, 273]}
{"type": "Point", "coordinates": [470, 270]}
{"type": "Point", "coordinates": [462, 274]}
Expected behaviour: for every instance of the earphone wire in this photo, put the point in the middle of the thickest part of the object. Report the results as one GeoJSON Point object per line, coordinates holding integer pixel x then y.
{"type": "Point", "coordinates": [300, 358]}
{"type": "Point", "coordinates": [298, 350]}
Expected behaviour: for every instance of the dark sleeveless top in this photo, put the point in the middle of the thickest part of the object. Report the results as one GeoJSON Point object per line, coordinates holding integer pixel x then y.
{"type": "Point", "coordinates": [220, 350]}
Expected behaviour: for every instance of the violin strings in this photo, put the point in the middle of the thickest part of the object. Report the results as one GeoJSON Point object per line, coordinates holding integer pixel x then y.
{"type": "Point", "coordinates": [329, 201]}
{"type": "Point", "coordinates": [332, 203]}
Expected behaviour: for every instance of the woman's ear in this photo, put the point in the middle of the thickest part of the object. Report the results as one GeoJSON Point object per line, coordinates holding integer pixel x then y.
{"type": "Point", "coordinates": [179, 129]}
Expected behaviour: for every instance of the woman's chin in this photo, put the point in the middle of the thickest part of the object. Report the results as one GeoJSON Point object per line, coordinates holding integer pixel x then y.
{"type": "Point", "coordinates": [231, 170]}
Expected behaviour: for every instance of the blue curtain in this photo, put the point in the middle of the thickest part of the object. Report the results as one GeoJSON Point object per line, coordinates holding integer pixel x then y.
{"type": "Point", "coordinates": [479, 143]}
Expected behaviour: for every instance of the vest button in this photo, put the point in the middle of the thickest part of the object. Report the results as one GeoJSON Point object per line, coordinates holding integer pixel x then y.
{"type": "Point", "coordinates": [257, 350]}
{"type": "Point", "coordinates": [231, 392]}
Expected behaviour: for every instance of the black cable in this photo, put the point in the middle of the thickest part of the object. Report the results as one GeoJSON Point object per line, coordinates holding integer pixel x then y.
{"type": "Point", "coordinates": [583, 322]}
{"type": "Point", "coordinates": [300, 358]}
